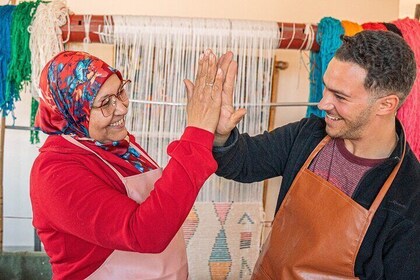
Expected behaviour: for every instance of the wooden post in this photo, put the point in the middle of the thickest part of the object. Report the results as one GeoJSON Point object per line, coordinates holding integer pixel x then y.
{"type": "Point", "coordinates": [2, 131]}
{"type": "Point", "coordinates": [278, 65]}
{"type": "Point", "coordinates": [417, 12]}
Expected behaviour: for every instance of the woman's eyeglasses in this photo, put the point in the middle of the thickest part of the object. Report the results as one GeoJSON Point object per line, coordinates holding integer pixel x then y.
{"type": "Point", "coordinates": [109, 104]}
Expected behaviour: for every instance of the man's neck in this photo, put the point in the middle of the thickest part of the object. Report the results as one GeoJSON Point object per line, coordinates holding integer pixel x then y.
{"type": "Point", "coordinates": [374, 145]}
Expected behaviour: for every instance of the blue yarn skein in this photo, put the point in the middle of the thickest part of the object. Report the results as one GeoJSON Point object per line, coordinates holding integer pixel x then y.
{"type": "Point", "coordinates": [329, 39]}
{"type": "Point", "coordinates": [6, 14]}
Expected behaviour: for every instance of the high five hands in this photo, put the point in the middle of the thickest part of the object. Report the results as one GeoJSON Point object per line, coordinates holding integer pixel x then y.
{"type": "Point", "coordinates": [210, 99]}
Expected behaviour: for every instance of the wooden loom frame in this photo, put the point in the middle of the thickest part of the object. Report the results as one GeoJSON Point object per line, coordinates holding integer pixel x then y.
{"type": "Point", "coordinates": [293, 33]}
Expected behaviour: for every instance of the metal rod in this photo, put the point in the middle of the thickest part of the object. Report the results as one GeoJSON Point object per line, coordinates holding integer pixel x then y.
{"type": "Point", "coordinates": [20, 127]}
{"type": "Point", "coordinates": [277, 104]}
{"type": "Point", "coordinates": [18, 218]}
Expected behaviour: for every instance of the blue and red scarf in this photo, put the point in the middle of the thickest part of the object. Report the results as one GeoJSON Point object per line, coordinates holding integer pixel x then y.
{"type": "Point", "coordinates": [69, 84]}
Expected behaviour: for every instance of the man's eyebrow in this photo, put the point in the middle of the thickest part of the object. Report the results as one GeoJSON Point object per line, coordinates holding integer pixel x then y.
{"type": "Point", "coordinates": [335, 90]}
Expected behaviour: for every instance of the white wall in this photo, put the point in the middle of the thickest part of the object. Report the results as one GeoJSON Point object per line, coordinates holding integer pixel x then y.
{"type": "Point", "coordinates": [293, 84]}
{"type": "Point", "coordinates": [408, 8]}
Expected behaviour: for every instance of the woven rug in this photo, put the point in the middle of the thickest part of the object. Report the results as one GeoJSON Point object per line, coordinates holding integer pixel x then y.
{"type": "Point", "coordinates": [223, 239]}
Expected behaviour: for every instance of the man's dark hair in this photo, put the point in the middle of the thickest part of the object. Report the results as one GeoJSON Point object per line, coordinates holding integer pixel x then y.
{"type": "Point", "coordinates": [387, 59]}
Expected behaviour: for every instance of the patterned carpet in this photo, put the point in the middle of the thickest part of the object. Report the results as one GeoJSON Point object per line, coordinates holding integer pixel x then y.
{"type": "Point", "coordinates": [223, 239]}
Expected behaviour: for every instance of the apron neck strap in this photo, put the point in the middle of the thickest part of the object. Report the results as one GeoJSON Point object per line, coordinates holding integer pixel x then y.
{"type": "Point", "coordinates": [384, 188]}
{"type": "Point", "coordinates": [387, 183]}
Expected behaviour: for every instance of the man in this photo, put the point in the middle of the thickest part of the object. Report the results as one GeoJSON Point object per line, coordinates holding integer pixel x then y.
{"type": "Point", "coordinates": [349, 202]}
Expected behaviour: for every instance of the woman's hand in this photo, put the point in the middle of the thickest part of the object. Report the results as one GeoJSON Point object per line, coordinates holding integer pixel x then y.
{"type": "Point", "coordinates": [204, 97]}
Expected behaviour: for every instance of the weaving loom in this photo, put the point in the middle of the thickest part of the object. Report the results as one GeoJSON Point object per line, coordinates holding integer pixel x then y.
{"type": "Point", "coordinates": [157, 53]}
{"type": "Point", "coordinates": [223, 231]}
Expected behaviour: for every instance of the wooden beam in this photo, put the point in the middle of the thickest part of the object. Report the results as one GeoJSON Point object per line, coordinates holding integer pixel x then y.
{"type": "Point", "coordinates": [293, 33]}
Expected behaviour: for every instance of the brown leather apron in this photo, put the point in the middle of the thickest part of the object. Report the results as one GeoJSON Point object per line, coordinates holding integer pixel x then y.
{"type": "Point", "coordinates": [318, 230]}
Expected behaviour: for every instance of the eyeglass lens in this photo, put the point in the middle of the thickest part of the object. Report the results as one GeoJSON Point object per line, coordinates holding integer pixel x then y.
{"type": "Point", "coordinates": [108, 106]}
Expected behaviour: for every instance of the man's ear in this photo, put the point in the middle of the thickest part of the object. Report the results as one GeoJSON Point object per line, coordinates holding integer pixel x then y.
{"type": "Point", "coordinates": [388, 104]}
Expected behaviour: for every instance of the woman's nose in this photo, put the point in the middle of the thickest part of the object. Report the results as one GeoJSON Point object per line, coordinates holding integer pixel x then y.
{"type": "Point", "coordinates": [121, 107]}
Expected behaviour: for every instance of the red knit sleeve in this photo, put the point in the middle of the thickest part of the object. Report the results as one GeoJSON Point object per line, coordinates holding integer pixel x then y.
{"type": "Point", "coordinates": [167, 207]}
{"type": "Point", "coordinates": [77, 199]}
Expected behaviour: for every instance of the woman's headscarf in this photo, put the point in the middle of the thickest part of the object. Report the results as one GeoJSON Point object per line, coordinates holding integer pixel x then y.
{"type": "Point", "coordinates": [69, 83]}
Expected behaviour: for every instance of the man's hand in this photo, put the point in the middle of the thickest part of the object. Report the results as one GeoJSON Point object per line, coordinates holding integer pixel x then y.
{"type": "Point", "coordinates": [229, 117]}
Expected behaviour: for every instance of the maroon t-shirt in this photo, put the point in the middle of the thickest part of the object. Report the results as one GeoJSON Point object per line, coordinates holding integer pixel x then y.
{"type": "Point", "coordinates": [337, 165]}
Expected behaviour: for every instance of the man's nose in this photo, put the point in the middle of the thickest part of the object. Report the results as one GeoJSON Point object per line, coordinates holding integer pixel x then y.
{"type": "Point", "coordinates": [325, 103]}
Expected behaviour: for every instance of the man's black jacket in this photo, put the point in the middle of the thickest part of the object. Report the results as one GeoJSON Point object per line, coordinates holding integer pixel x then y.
{"type": "Point", "coordinates": [391, 247]}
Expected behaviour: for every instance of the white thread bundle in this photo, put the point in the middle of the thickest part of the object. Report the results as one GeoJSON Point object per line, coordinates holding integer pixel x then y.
{"type": "Point", "coordinates": [106, 32]}
{"type": "Point", "coordinates": [86, 25]}
{"type": "Point", "coordinates": [46, 37]}
{"type": "Point", "coordinates": [309, 37]}
{"type": "Point", "coordinates": [157, 53]}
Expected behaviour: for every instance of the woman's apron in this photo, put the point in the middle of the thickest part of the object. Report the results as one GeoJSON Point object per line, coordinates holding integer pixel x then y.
{"type": "Point", "coordinates": [318, 230]}
{"type": "Point", "coordinates": [170, 264]}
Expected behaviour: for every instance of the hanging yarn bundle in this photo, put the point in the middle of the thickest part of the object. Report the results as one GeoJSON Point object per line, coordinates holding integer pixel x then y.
{"type": "Point", "coordinates": [20, 64]}
{"type": "Point", "coordinates": [351, 28]}
{"type": "Point", "coordinates": [374, 26]}
{"type": "Point", "coordinates": [46, 37]}
{"type": "Point", "coordinates": [328, 38]}
{"type": "Point", "coordinates": [409, 113]}
{"type": "Point", "coordinates": [45, 42]}
{"type": "Point", "coordinates": [392, 27]}
{"type": "Point", "coordinates": [6, 12]}
{"type": "Point", "coordinates": [19, 69]}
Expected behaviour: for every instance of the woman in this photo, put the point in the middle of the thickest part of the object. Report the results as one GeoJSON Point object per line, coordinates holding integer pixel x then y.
{"type": "Point", "coordinates": [101, 206]}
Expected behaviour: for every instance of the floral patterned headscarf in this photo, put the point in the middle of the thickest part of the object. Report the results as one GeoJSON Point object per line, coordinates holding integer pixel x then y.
{"type": "Point", "coordinates": [69, 84]}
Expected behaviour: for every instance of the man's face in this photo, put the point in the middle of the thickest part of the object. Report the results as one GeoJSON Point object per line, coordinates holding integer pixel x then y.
{"type": "Point", "coordinates": [348, 106]}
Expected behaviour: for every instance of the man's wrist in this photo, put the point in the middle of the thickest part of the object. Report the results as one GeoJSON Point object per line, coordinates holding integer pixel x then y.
{"type": "Point", "coordinates": [220, 140]}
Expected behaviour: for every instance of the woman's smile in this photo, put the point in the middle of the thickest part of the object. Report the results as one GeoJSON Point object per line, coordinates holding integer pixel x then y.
{"type": "Point", "coordinates": [118, 124]}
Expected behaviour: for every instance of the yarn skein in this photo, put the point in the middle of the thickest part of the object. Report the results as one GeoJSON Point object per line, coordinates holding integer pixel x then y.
{"type": "Point", "coordinates": [409, 114]}
{"type": "Point", "coordinates": [328, 38]}
{"type": "Point", "coordinates": [19, 68]}
{"type": "Point", "coordinates": [6, 13]}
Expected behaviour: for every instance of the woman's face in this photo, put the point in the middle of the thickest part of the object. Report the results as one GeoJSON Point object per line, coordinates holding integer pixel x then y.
{"type": "Point", "coordinates": [111, 127]}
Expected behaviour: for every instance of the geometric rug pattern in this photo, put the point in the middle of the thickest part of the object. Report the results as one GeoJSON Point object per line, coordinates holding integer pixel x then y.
{"type": "Point", "coordinates": [223, 239]}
